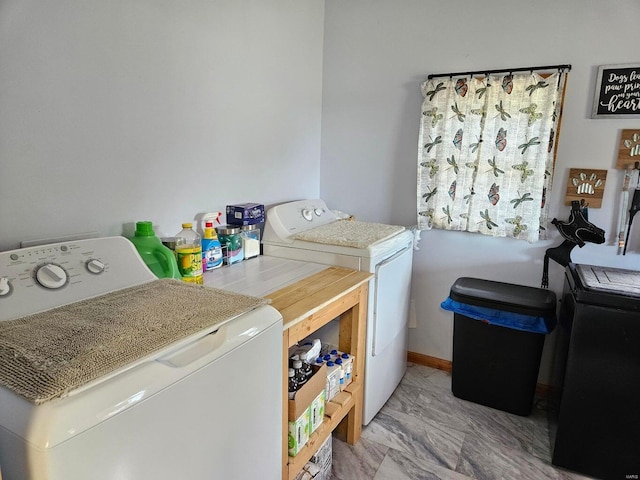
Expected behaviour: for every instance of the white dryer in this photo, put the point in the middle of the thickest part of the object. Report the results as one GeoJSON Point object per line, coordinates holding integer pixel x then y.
{"type": "Point", "coordinates": [307, 230]}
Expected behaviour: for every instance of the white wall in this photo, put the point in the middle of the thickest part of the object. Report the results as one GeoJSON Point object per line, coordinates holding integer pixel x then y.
{"type": "Point", "coordinates": [116, 111]}
{"type": "Point", "coordinates": [377, 53]}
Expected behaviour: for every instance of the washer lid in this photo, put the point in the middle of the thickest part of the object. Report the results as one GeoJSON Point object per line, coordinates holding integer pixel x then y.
{"type": "Point", "coordinates": [378, 249]}
{"type": "Point", "coordinates": [51, 423]}
{"type": "Point", "coordinates": [608, 279]}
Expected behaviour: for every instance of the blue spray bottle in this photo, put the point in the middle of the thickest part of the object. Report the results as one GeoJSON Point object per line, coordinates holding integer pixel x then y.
{"type": "Point", "coordinates": [211, 248]}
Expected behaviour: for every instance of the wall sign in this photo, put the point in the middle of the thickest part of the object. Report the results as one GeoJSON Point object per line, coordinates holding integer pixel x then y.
{"type": "Point", "coordinates": [617, 92]}
{"type": "Point", "coordinates": [586, 186]}
{"type": "Point", "coordinates": [629, 150]}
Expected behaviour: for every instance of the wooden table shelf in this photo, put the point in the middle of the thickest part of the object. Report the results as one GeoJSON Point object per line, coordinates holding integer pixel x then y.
{"type": "Point", "coordinates": [306, 306]}
{"type": "Point", "coordinates": [309, 296]}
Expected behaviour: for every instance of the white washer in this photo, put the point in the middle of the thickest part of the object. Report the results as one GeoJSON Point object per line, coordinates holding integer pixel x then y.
{"type": "Point", "coordinates": [208, 406]}
{"type": "Point", "coordinates": [388, 253]}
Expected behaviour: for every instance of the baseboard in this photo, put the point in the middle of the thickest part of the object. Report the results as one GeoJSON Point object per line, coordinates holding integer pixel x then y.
{"type": "Point", "coordinates": [429, 361]}
{"type": "Point", "coordinates": [542, 390]}
{"type": "Point", "coordinates": [546, 391]}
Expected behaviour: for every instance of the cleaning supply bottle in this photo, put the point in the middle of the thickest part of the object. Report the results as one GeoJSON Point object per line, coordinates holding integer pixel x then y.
{"type": "Point", "coordinates": [347, 363]}
{"type": "Point", "coordinates": [293, 384]}
{"type": "Point", "coordinates": [213, 217]}
{"type": "Point", "coordinates": [300, 377]}
{"type": "Point", "coordinates": [189, 254]}
{"type": "Point", "coordinates": [211, 248]}
{"type": "Point", "coordinates": [160, 260]}
{"type": "Point", "coordinates": [231, 241]}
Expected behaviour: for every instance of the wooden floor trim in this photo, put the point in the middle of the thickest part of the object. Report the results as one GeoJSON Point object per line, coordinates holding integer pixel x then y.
{"type": "Point", "coordinates": [542, 390]}
{"type": "Point", "coordinates": [429, 361]}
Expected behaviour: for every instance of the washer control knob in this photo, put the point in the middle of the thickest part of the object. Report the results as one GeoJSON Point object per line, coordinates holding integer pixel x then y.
{"type": "Point", "coordinates": [307, 214]}
{"type": "Point", "coordinates": [5, 286]}
{"type": "Point", "coordinates": [51, 276]}
{"type": "Point", "coordinates": [318, 211]}
{"type": "Point", "coordinates": [95, 266]}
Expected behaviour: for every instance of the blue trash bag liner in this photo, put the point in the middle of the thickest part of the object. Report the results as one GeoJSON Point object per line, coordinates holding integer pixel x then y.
{"type": "Point", "coordinates": [517, 321]}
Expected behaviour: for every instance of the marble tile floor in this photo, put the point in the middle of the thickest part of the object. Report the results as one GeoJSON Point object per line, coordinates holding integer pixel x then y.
{"type": "Point", "coordinates": [425, 433]}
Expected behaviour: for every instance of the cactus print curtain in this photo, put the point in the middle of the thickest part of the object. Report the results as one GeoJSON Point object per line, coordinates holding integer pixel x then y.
{"type": "Point", "coordinates": [486, 153]}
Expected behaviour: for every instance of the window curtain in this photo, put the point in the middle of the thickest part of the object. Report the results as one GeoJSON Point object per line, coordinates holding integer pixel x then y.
{"type": "Point", "coordinates": [486, 153]}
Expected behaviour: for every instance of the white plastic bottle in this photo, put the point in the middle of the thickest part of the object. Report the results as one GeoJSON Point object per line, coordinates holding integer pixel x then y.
{"type": "Point", "coordinates": [309, 350]}
{"type": "Point", "coordinates": [333, 380]}
{"type": "Point", "coordinates": [342, 374]}
{"type": "Point", "coordinates": [347, 363]}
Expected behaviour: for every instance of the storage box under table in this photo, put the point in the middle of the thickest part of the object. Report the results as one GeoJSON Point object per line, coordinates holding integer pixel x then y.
{"type": "Point", "coordinates": [303, 406]}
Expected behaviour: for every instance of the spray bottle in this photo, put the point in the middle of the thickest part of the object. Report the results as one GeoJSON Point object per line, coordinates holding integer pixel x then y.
{"type": "Point", "coordinates": [211, 248]}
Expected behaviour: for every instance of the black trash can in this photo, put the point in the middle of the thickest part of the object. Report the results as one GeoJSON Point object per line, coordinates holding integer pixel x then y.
{"type": "Point", "coordinates": [498, 336]}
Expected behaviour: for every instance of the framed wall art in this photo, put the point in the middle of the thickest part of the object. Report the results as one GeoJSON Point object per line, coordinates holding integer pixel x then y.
{"type": "Point", "coordinates": [617, 93]}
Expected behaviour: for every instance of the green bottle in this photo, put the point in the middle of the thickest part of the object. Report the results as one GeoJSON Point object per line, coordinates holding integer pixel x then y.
{"type": "Point", "coordinates": [160, 259]}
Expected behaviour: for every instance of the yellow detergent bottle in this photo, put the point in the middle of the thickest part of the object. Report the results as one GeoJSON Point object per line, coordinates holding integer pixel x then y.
{"type": "Point", "coordinates": [189, 254]}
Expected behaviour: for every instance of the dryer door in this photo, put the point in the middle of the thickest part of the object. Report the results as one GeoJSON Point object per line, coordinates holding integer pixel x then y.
{"type": "Point", "coordinates": [391, 298]}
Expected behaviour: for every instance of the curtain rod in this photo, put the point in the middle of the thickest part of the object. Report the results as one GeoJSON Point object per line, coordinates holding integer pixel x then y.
{"type": "Point", "coordinates": [509, 70]}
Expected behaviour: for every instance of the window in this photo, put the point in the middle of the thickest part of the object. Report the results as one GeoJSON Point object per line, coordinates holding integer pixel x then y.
{"type": "Point", "coordinates": [486, 153]}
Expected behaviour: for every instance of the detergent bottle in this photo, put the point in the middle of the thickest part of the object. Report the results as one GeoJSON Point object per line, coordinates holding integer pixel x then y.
{"type": "Point", "coordinates": [211, 248]}
{"type": "Point", "coordinates": [160, 260]}
{"type": "Point", "coordinates": [189, 254]}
